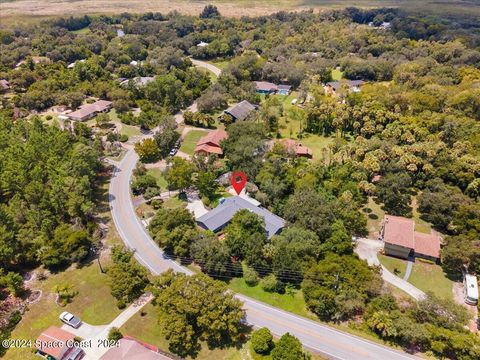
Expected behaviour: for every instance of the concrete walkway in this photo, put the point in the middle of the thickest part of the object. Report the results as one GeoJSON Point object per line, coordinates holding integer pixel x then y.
{"type": "Point", "coordinates": [368, 249]}
{"type": "Point", "coordinates": [96, 334]}
{"type": "Point", "coordinates": [409, 268]}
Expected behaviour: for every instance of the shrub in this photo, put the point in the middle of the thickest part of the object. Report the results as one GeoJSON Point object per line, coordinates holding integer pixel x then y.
{"type": "Point", "coordinates": [156, 203]}
{"type": "Point", "coordinates": [121, 304]}
{"type": "Point", "coordinates": [262, 341]}
{"type": "Point", "coordinates": [269, 283]}
{"type": "Point", "coordinates": [48, 117]}
{"type": "Point", "coordinates": [150, 192]}
{"type": "Point", "coordinates": [250, 276]}
{"type": "Point", "coordinates": [65, 293]}
{"type": "Point", "coordinates": [114, 334]}
{"type": "Point", "coordinates": [123, 138]}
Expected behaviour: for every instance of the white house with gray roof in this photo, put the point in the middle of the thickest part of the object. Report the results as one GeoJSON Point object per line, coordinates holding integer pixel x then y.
{"type": "Point", "coordinates": [216, 219]}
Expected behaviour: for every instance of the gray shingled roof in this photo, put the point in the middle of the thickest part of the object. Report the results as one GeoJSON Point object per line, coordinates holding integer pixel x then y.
{"type": "Point", "coordinates": [351, 83]}
{"type": "Point", "coordinates": [219, 217]}
{"type": "Point", "coordinates": [241, 110]}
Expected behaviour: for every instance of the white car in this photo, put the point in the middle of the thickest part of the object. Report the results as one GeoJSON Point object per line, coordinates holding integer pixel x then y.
{"type": "Point", "coordinates": [70, 319]}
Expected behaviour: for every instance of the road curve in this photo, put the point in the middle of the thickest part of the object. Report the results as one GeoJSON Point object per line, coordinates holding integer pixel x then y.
{"type": "Point", "coordinates": [320, 338]}
{"type": "Point", "coordinates": [202, 64]}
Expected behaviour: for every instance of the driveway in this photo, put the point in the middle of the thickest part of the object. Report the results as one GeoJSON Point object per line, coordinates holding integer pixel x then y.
{"type": "Point", "coordinates": [367, 249]}
{"type": "Point", "coordinates": [195, 206]}
{"type": "Point", "coordinates": [96, 334]}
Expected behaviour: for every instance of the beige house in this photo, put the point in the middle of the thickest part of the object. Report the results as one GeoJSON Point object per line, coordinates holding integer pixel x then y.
{"type": "Point", "coordinates": [401, 240]}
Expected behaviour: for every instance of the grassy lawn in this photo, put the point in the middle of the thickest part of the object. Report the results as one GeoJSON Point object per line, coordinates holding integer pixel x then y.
{"type": "Point", "coordinates": [158, 174]}
{"type": "Point", "coordinates": [294, 303]}
{"type": "Point", "coordinates": [430, 277]}
{"type": "Point", "coordinates": [85, 30]}
{"type": "Point", "coordinates": [222, 64]}
{"type": "Point", "coordinates": [375, 216]}
{"type": "Point", "coordinates": [420, 225]}
{"type": "Point", "coordinates": [128, 130]}
{"type": "Point", "coordinates": [93, 304]}
{"type": "Point", "coordinates": [392, 264]}
{"type": "Point", "coordinates": [336, 75]}
{"type": "Point", "coordinates": [146, 328]}
{"type": "Point", "coordinates": [190, 141]}
{"type": "Point", "coordinates": [174, 202]}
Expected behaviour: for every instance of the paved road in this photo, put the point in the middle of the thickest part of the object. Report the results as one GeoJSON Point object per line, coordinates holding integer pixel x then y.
{"type": "Point", "coordinates": [202, 64]}
{"type": "Point", "coordinates": [315, 336]}
{"type": "Point", "coordinates": [367, 249]}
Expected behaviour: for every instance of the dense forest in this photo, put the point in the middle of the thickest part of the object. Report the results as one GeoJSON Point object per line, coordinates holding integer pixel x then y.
{"type": "Point", "coordinates": [415, 126]}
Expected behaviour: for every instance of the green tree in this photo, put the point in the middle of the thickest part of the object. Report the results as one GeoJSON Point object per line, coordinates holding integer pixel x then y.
{"type": "Point", "coordinates": [126, 277]}
{"type": "Point", "coordinates": [213, 257]}
{"type": "Point", "coordinates": [246, 237]}
{"type": "Point", "coordinates": [194, 308]}
{"type": "Point", "coordinates": [179, 174]}
{"type": "Point", "coordinates": [262, 341]}
{"type": "Point", "coordinates": [174, 230]}
{"type": "Point", "coordinates": [206, 184]}
{"type": "Point", "coordinates": [147, 150]}
{"type": "Point", "coordinates": [288, 348]}
{"type": "Point", "coordinates": [393, 190]}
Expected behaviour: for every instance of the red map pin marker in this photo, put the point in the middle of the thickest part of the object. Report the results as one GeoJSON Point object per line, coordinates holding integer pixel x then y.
{"type": "Point", "coordinates": [238, 180]}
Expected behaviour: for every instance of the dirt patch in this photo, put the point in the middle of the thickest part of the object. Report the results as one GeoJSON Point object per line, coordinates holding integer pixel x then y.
{"type": "Point", "coordinates": [458, 296]}
{"type": "Point", "coordinates": [35, 296]}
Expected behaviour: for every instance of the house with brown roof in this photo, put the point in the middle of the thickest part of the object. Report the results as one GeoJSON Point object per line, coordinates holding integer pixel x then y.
{"type": "Point", "coordinates": [58, 344]}
{"type": "Point", "coordinates": [401, 240]}
{"type": "Point", "coordinates": [88, 111]}
{"type": "Point", "coordinates": [210, 143]}
{"type": "Point", "coordinates": [265, 87]}
{"type": "Point", "coordinates": [296, 148]}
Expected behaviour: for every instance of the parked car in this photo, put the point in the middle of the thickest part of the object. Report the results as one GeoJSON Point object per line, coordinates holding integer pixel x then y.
{"type": "Point", "coordinates": [70, 319]}
{"type": "Point", "coordinates": [75, 354]}
{"type": "Point", "coordinates": [173, 151]}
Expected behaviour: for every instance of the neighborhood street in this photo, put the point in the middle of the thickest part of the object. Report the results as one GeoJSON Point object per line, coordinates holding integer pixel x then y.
{"type": "Point", "coordinates": [315, 336]}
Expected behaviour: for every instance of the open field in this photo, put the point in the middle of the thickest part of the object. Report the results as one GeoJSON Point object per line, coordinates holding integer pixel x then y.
{"type": "Point", "coordinates": [31, 10]}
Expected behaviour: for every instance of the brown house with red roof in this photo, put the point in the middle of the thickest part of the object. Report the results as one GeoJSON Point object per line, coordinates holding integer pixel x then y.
{"type": "Point", "coordinates": [210, 143]}
{"type": "Point", "coordinates": [401, 239]}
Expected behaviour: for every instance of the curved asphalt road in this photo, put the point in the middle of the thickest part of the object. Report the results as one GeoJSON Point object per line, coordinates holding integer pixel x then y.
{"type": "Point", "coordinates": [320, 338]}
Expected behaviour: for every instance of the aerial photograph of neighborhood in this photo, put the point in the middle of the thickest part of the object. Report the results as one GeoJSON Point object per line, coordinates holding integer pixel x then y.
{"type": "Point", "coordinates": [239, 179]}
